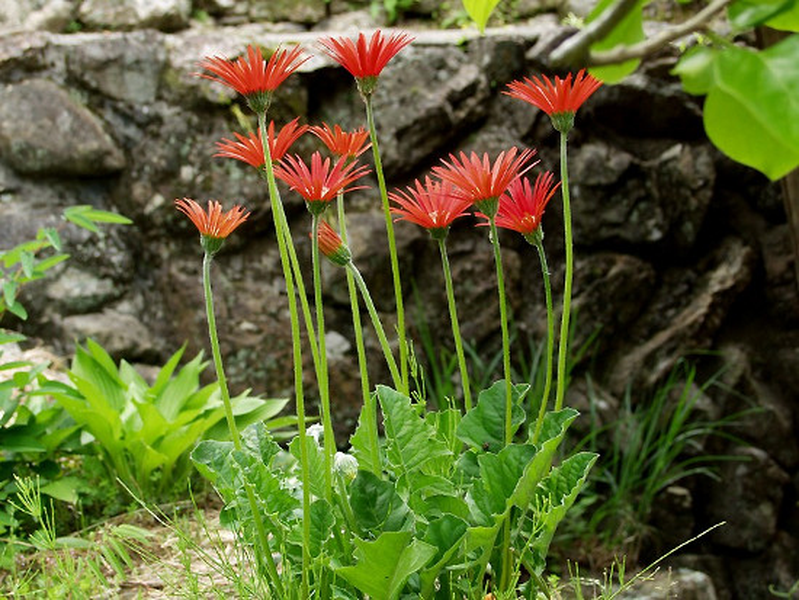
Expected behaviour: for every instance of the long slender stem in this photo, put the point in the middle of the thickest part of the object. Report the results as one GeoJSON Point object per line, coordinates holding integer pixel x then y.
{"type": "Point", "coordinates": [456, 332]}
{"type": "Point", "coordinates": [329, 441]}
{"type": "Point", "coordinates": [263, 540]}
{"type": "Point", "coordinates": [369, 421]}
{"type": "Point", "coordinates": [296, 343]}
{"type": "Point", "coordinates": [381, 334]}
{"type": "Point", "coordinates": [392, 246]}
{"type": "Point", "coordinates": [550, 338]}
{"type": "Point", "coordinates": [567, 283]}
{"type": "Point", "coordinates": [503, 321]}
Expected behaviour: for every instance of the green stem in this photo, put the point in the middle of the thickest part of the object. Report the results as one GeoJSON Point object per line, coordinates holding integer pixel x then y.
{"type": "Point", "coordinates": [266, 552]}
{"type": "Point", "coordinates": [503, 322]}
{"type": "Point", "coordinates": [550, 337]}
{"type": "Point", "coordinates": [456, 332]}
{"type": "Point", "coordinates": [296, 343]}
{"type": "Point", "coordinates": [381, 334]}
{"type": "Point", "coordinates": [370, 410]}
{"type": "Point", "coordinates": [329, 441]}
{"type": "Point", "coordinates": [392, 246]}
{"type": "Point", "coordinates": [567, 284]}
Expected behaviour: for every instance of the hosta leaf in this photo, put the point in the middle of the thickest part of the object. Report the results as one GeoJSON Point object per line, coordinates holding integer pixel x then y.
{"type": "Point", "coordinates": [384, 565]}
{"type": "Point", "coordinates": [483, 427]}
{"type": "Point", "coordinates": [410, 441]}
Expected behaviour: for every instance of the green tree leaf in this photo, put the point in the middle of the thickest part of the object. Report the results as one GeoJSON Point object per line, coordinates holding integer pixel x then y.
{"type": "Point", "coordinates": [385, 564]}
{"type": "Point", "coordinates": [752, 111]}
{"type": "Point", "coordinates": [630, 30]}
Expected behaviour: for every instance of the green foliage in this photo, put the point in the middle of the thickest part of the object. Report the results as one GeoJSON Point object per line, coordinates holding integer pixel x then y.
{"type": "Point", "coordinates": [145, 432]}
{"type": "Point", "coordinates": [32, 259]}
{"type": "Point", "coordinates": [752, 101]}
{"type": "Point", "coordinates": [630, 30]}
{"type": "Point", "coordinates": [480, 11]}
{"type": "Point", "coordinates": [430, 523]}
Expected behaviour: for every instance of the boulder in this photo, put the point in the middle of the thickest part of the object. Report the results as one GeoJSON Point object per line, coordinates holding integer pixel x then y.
{"type": "Point", "coordinates": [165, 15]}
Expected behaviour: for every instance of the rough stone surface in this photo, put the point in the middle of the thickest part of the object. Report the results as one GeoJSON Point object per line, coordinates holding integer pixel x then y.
{"type": "Point", "coordinates": [166, 15]}
{"type": "Point", "coordinates": [58, 135]}
{"type": "Point", "coordinates": [748, 497]}
{"type": "Point", "coordinates": [122, 335]}
{"type": "Point", "coordinates": [302, 11]}
{"type": "Point", "coordinates": [684, 584]}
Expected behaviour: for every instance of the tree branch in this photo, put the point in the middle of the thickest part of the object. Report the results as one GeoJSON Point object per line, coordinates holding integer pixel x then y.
{"type": "Point", "coordinates": [620, 54]}
{"type": "Point", "coordinates": [576, 49]}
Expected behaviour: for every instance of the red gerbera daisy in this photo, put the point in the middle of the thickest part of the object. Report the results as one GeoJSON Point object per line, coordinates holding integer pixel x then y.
{"type": "Point", "coordinates": [434, 206]}
{"type": "Point", "coordinates": [250, 149]}
{"type": "Point", "coordinates": [522, 206]}
{"type": "Point", "coordinates": [331, 245]}
{"type": "Point", "coordinates": [253, 77]}
{"type": "Point", "coordinates": [214, 225]}
{"type": "Point", "coordinates": [320, 184]}
{"type": "Point", "coordinates": [560, 100]}
{"type": "Point", "coordinates": [482, 183]}
{"type": "Point", "coordinates": [365, 59]}
{"type": "Point", "coordinates": [342, 143]}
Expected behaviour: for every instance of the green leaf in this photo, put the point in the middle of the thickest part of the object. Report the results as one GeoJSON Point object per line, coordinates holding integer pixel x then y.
{"type": "Point", "coordinates": [752, 112]}
{"type": "Point", "coordinates": [385, 564]}
{"type": "Point", "coordinates": [322, 522]}
{"type": "Point", "coordinates": [787, 20]}
{"type": "Point", "coordinates": [410, 441]}
{"type": "Point", "coordinates": [212, 461]}
{"type": "Point", "coordinates": [359, 442]}
{"type": "Point", "coordinates": [65, 489]}
{"type": "Point", "coordinates": [554, 497]}
{"type": "Point", "coordinates": [483, 427]}
{"type": "Point", "coordinates": [18, 310]}
{"type": "Point", "coordinates": [629, 31]}
{"type": "Point", "coordinates": [316, 463]}
{"type": "Point", "coordinates": [747, 14]}
{"type": "Point", "coordinates": [446, 534]}
{"type": "Point", "coordinates": [49, 262]}
{"type": "Point", "coordinates": [76, 216]}
{"type": "Point", "coordinates": [10, 338]}
{"type": "Point", "coordinates": [10, 292]}
{"type": "Point", "coordinates": [696, 70]}
{"type": "Point", "coordinates": [499, 476]}
{"type": "Point", "coordinates": [376, 504]}
{"type": "Point", "coordinates": [480, 11]}
{"type": "Point", "coordinates": [27, 260]}
{"type": "Point", "coordinates": [51, 234]}
{"type": "Point", "coordinates": [86, 216]}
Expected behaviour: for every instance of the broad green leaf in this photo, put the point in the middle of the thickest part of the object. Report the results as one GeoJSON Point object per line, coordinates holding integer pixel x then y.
{"type": "Point", "coordinates": [483, 427]}
{"type": "Point", "coordinates": [211, 458]}
{"type": "Point", "coordinates": [747, 14]}
{"type": "Point", "coordinates": [446, 534]}
{"type": "Point", "coordinates": [321, 525]}
{"type": "Point", "coordinates": [65, 489]}
{"type": "Point", "coordinates": [696, 69]}
{"type": "Point", "coordinates": [752, 112]}
{"type": "Point", "coordinates": [10, 292]}
{"type": "Point", "coordinates": [165, 373]}
{"type": "Point", "coordinates": [499, 476]}
{"type": "Point", "coordinates": [27, 260]}
{"type": "Point", "coordinates": [179, 389]}
{"type": "Point", "coordinates": [19, 439]}
{"type": "Point", "coordinates": [51, 234]}
{"type": "Point", "coordinates": [384, 565]}
{"type": "Point", "coordinates": [480, 11]}
{"type": "Point", "coordinates": [18, 310]}
{"type": "Point", "coordinates": [554, 497]}
{"type": "Point", "coordinates": [76, 216]}
{"type": "Point", "coordinates": [552, 432]}
{"type": "Point", "coordinates": [410, 441]}
{"type": "Point", "coordinates": [361, 450]}
{"type": "Point", "coordinates": [788, 20]}
{"type": "Point", "coordinates": [376, 504]}
{"type": "Point", "coordinates": [629, 31]}
{"type": "Point", "coordinates": [104, 216]}
{"type": "Point", "coordinates": [49, 262]}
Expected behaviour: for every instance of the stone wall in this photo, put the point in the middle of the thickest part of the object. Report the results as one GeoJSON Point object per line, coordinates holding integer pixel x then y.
{"type": "Point", "coordinates": [679, 250]}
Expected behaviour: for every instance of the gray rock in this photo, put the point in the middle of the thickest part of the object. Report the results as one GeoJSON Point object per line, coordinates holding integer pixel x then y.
{"type": "Point", "coordinates": [166, 15]}
{"type": "Point", "coordinates": [122, 335]}
{"type": "Point", "coordinates": [296, 11]}
{"type": "Point", "coordinates": [684, 315]}
{"type": "Point", "coordinates": [129, 71]}
{"type": "Point", "coordinates": [748, 497]}
{"type": "Point", "coordinates": [77, 291]}
{"type": "Point", "coordinates": [59, 136]}
{"type": "Point", "coordinates": [684, 584]}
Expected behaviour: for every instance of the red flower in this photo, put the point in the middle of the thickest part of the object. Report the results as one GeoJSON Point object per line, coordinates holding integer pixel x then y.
{"type": "Point", "coordinates": [320, 184]}
{"type": "Point", "coordinates": [365, 59]}
{"type": "Point", "coordinates": [433, 206]}
{"type": "Point", "coordinates": [522, 206]}
{"type": "Point", "coordinates": [560, 100]}
{"type": "Point", "coordinates": [331, 246]}
{"type": "Point", "coordinates": [254, 77]}
{"type": "Point", "coordinates": [342, 143]}
{"type": "Point", "coordinates": [214, 225]}
{"type": "Point", "coordinates": [250, 149]}
{"type": "Point", "coordinates": [482, 183]}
